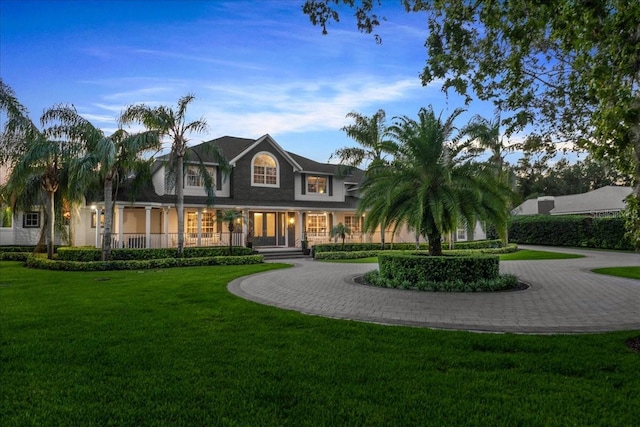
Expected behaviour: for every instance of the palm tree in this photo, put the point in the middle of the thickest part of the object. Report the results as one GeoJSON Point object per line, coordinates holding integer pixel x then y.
{"type": "Point", "coordinates": [370, 133]}
{"type": "Point", "coordinates": [428, 186]}
{"type": "Point", "coordinates": [43, 161]}
{"type": "Point", "coordinates": [173, 124]}
{"type": "Point", "coordinates": [107, 160]}
{"type": "Point", "coordinates": [341, 231]}
{"type": "Point", "coordinates": [372, 136]}
{"type": "Point", "coordinates": [486, 133]}
{"type": "Point", "coordinates": [230, 217]}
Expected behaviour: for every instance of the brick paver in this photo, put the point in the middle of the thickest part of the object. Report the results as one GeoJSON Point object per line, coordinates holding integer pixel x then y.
{"type": "Point", "coordinates": [563, 297]}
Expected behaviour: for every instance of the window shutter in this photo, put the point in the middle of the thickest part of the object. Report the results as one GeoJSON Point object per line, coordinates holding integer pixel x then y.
{"type": "Point", "coordinates": [218, 179]}
{"type": "Point", "coordinates": [303, 187]}
{"type": "Point", "coordinates": [330, 185]}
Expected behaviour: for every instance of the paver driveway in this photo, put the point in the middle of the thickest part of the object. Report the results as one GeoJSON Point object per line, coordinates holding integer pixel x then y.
{"type": "Point", "coordinates": [563, 297]}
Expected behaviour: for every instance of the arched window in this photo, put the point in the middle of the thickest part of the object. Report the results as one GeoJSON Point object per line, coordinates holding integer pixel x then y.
{"type": "Point", "coordinates": [265, 171]}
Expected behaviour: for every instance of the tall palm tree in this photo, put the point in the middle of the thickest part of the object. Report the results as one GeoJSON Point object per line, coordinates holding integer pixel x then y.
{"type": "Point", "coordinates": [370, 133]}
{"type": "Point", "coordinates": [372, 136]}
{"type": "Point", "coordinates": [173, 124]}
{"type": "Point", "coordinates": [428, 186]}
{"type": "Point", "coordinates": [42, 162]}
{"type": "Point", "coordinates": [486, 134]}
{"type": "Point", "coordinates": [107, 160]}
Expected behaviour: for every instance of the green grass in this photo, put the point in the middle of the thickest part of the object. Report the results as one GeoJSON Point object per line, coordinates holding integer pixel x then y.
{"type": "Point", "coordinates": [174, 347]}
{"type": "Point", "coordinates": [628, 272]}
{"type": "Point", "coordinates": [531, 255]}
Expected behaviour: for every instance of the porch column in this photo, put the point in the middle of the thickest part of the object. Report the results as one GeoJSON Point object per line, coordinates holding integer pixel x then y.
{"type": "Point", "coordinates": [245, 226]}
{"type": "Point", "coordinates": [301, 225]}
{"type": "Point", "coordinates": [165, 216]}
{"type": "Point", "coordinates": [97, 212]}
{"type": "Point", "coordinates": [199, 215]}
{"type": "Point", "coordinates": [332, 224]}
{"type": "Point", "coordinates": [121, 226]}
{"type": "Point", "coordinates": [147, 226]}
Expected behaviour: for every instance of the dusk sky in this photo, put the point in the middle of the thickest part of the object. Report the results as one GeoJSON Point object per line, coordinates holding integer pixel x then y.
{"type": "Point", "coordinates": [256, 67]}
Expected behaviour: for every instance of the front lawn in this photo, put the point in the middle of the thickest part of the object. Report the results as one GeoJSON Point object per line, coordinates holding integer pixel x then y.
{"type": "Point", "coordinates": [628, 272]}
{"type": "Point", "coordinates": [531, 255]}
{"type": "Point", "coordinates": [174, 347]}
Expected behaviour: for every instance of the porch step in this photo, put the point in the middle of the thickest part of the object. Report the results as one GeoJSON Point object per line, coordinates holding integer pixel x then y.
{"type": "Point", "coordinates": [281, 253]}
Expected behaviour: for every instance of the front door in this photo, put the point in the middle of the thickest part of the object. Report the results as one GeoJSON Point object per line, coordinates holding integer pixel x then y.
{"type": "Point", "coordinates": [264, 228]}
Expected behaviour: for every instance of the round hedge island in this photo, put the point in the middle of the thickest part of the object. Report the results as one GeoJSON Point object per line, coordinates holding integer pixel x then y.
{"type": "Point", "coordinates": [461, 273]}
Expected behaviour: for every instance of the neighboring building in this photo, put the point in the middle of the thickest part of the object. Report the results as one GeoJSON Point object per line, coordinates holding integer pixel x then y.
{"type": "Point", "coordinates": [284, 199]}
{"type": "Point", "coordinates": [605, 201]}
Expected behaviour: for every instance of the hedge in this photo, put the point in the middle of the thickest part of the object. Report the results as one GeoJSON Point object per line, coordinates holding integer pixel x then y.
{"type": "Point", "coordinates": [512, 247]}
{"type": "Point", "coordinates": [414, 268]}
{"type": "Point", "coordinates": [356, 247]}
{"type": "Point", "coordinates": [34, 261]}
{"type": "Point", "coordinates": [87, 254]}
{"type": "Point", "coordinates": [569, 230]}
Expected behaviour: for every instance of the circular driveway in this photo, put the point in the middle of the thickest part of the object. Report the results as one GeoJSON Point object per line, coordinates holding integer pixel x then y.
{"type": "Point", "coordinates": [563, 297]}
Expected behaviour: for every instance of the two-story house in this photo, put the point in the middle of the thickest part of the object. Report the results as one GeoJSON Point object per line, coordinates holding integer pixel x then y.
{"type": "Point", "coordinates": [282, 199]}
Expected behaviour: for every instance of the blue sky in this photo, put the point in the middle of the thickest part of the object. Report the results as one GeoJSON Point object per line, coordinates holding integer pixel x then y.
{"type": "Point", "coordinates": [256, 67]}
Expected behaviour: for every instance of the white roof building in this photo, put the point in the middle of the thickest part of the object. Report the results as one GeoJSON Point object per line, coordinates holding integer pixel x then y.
{"type": "Point", "coordinates": [605, 201]}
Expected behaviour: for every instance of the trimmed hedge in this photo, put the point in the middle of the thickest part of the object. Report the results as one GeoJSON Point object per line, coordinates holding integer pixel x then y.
{"type": "Point", "coordinates": [512, 247]}
{"type": "Point", "coordinates": [414, 268]}
{"type": "Point", "coordinates": [569, 230]}
{"type": "Point", "coordinates": [34, 261]}
{"type": "Point", "coordinates": [14, 256]}
{"type": "Point", "coordinates": [87, 254]}
{"type": "Point", "coordinates": [479, 244]}
{"type": "Point", "coordinates": [360, 247]}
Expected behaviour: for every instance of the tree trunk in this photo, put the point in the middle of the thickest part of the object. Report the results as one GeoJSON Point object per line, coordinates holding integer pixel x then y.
{"type": "Point", "coordinates": [108, 219]}
{"type": "Point", "coordinates": [52, 227]}
{"type": "Point", "coordinates": [382, 228]}
{"type": "Point", "coordinates": [435, 244]}
{"type": "Point", "coordinates": [180, 202]}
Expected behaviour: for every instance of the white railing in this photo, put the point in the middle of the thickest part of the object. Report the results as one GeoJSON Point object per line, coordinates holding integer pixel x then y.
{"type": "Point", "coordinates": [160, 240]}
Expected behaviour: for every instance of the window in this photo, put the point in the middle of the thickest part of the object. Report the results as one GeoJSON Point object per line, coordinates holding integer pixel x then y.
{"type": "Point", "coordinates": [194, 178]}
{"type": "Point", "coordinates": [265, 170]}
{"type": "Point", "coordinates": [317, 184]}
{"type": "Point", "coordinates": [93, 219]}
{"type": "Point", "coordinates": [207, 226]}
{"type": "Point", "coordinates": [353, 222]}
{"type": "Point", "coordinates": [462, 233]}
{"type": "Point", "coordinates": [31, 220]}
{"type": "Point", "coordinates": [316, 223]}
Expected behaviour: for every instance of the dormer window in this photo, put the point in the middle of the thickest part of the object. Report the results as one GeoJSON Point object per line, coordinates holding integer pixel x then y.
{"type": "Point", "coordinates": [317, 184]}
{"type": "Point", "coordinates": [265, 170]}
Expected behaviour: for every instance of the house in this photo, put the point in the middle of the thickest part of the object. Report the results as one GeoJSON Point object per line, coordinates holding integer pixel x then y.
{"type": "Point", "coordinates": [604, 201]}
{"type": "Point", "coordinates": [283, 199]}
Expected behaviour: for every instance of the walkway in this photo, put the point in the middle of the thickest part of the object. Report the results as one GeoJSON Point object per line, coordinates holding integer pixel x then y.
{"type": "Point", "coordinates": [564, 296]}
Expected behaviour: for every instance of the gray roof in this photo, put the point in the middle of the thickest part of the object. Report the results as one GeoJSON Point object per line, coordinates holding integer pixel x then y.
{"type": "Point", "coordinates": [610, 198]}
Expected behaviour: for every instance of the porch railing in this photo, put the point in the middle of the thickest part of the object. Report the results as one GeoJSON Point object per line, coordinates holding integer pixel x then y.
{"type": "Point", "coordinates": [160, 240]}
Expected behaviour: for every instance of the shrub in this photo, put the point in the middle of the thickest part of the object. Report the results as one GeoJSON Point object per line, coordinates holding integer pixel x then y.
{"type": "Point", "coordinates": [501, 283]}
{"type": "Point", "coordinates": [479, 244]}
{"type": "Point", "coordinates": [14, 256]}
{"type": "Point", "coordinates": [34, 261]}
{"type": "Point", "coordinates": [569, 230]}
{"type": "Point", "coordinates": [94, 254]}
{"type": "Point", "coordinates": [420, 268]}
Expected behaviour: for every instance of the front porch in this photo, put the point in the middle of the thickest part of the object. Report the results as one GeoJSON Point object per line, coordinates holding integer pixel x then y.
{"type": "Point", "coordinates": [156, 227]}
